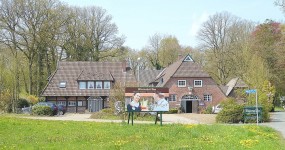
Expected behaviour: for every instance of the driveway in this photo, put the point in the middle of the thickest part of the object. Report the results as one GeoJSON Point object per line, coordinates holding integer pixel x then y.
{"type": "Point", "coordinates": [166, 118]}
{"type": "Point", "coordinates": [277, 122]}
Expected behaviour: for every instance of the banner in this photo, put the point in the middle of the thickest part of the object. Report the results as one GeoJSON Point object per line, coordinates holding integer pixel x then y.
{"type": "Point", "coordinates": [146, 99]}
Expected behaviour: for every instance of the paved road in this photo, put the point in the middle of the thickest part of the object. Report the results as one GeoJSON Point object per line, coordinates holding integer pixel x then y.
{"type": "Point", "coordinates": [277, 122]}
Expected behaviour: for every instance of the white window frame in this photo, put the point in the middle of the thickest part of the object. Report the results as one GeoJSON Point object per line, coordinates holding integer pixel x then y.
{"type": "Point", "coordinates": [99, 83]}
{"type": "Point", "coordinates": [198, 85]}
{"type": "Point", "coordinates": [90, 85]}
{"type": "Point", "coordinates": [62, 84]}
{"type": "Point", "coordinates": [208, 97]}
{"type": "Point", "coordinates": [107, 83]}
{"type": "Point", "coordinates": [80, 85]}
{"type": "Point", "coordinates": [71, 103]}
{"type": "Point", "coordinates": [61, 103]}
{"type": "Point", "coordinates": [172, 97]}
{"type": "Point", "coordinates": [179, 85]}
{"type": "Point", "coordinates": [79, 103]}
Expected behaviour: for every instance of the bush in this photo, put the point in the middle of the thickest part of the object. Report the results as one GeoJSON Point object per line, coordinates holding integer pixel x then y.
{"type": "Point", "coordinates": [172, 111]}
{"type": "Point", "coordinates": [42, 110]}
{"type": "Point", "coordinates": [231, 112]}
{"type": "Point", "coordinates": [33, 99]}
{"type": "Point", "coordinates": [22, 103]}
{"type": "Point", "coordinates": [208, 110]}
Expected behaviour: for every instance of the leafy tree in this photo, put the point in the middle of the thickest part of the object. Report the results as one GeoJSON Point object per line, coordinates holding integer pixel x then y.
{"type": "Point", "coordinates": [168, 51]}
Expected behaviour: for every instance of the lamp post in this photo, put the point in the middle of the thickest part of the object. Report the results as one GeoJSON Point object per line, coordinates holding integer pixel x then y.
{"type": "Point", "coordinates": [190, 88]}
{"type": "Point", "coordinates": [138, 71]}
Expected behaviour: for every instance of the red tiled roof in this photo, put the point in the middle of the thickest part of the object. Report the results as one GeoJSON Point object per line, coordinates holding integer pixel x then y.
{"type": "Point", "coordinates": [71, 72]}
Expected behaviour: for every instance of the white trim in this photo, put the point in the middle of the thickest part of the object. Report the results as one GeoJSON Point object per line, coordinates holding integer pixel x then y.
{"type": "Point", "coordinates": [62, 84]}
{"type": "Point", "coordinates": [208, 97]}
{"type": "Point", "coordinates": [188, 58]}
{"type": "Point", "coordinates": [107, 83]}
{"type": "Point", "coordinates": [178, 85]}
{"type": "Point", "coordinates": [90, 85]}
{"type": "Point", "coordinates": [71, 103]}
{"type": "Point", "coordinates": [79, 103]}
{"type": "Point", "coordinates": [99, 85]}
{"type": "Point", "coordinates": [83, 82]}
{"type": "Point", "coordinates": [195, 85]}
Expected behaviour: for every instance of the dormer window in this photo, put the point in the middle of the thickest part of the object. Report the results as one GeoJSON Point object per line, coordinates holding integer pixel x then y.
{"type": "Point", "coordinates": [107, 84]}
{"type": "Point", "coordinates": [90, 85]}
{"type": "Point", "coordinates": [82, 85]}
{"type": "Point", "coordinates": [98, 84]}
{"type": "Point", "coordinates": [62, 84]}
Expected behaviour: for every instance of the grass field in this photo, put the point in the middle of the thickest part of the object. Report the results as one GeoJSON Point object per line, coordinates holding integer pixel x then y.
{"type": "Point", "coordinates": [19, 133]}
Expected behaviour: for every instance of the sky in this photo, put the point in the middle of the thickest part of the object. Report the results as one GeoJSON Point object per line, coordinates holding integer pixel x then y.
{"type": "Point", "coordinates": [138, 20]}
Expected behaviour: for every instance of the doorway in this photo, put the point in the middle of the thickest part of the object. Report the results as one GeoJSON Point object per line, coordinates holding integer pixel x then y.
{"type": "Point", "coordinates": [189, 106]}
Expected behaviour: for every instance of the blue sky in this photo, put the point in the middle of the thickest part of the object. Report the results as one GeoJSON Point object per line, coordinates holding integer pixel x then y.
{"type": "Point", "coordinates": [138, 20]}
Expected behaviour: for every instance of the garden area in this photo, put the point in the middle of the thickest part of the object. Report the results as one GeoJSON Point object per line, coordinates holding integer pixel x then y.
{"type": "Point", "coordinates": [20, 133]}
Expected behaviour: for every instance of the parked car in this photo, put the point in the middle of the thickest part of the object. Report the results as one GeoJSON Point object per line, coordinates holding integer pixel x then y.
{"type": "Point", "coordinates": [53, 107]}
{"type": "Point", "coordinates": [61, 109]}
{"type": "Point", "coordinates": [216, 109]}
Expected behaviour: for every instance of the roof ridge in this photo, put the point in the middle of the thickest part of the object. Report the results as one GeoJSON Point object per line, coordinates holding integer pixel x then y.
{"type": "Point", "coordinates": [50, 78]}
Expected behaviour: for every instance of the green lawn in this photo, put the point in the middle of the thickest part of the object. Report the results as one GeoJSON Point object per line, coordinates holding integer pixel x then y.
{"type": "Point", "coordinates": [19, 133]}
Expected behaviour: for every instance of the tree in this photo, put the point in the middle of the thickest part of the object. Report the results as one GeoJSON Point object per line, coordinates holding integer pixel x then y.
{"type": "Point", "coordinates": [220, 37]}
{"type": "Point", "coordinates": [169, 50]}
{"type": "Point", "coordinates": [152, 50]}
{"type": "Point", "coordinates": [266, 38]}
{"type": "Point", "coordinates": [91, 35]}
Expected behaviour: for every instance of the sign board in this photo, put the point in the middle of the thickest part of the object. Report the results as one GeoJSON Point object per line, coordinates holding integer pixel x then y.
{"type": "Point", "coordinates": [250, 91]}
{"type": "Point", "coordinates": [250, 115]}
{"type": "Point", "coordinates": [146, 99]}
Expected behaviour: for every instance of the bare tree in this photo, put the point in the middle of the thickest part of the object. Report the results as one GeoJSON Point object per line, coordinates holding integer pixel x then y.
{"type": "Point", "coordinates": [153, 49]}
{"type": "Point", "coordinates": [218, 36]}
{"type": "Point", "coordinates": [91, 35]}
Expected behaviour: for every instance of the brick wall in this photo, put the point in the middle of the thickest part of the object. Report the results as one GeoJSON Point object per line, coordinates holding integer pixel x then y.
{"type": "Point", "coordinates": [208, 87]}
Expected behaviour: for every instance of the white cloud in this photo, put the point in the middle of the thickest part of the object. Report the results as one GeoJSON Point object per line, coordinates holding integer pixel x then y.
{"type": "Point", "coordinates": [197, 21]}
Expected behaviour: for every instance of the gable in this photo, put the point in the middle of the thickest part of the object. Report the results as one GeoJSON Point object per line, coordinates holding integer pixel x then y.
{"type": "Point", "coordinates": [188, 58]}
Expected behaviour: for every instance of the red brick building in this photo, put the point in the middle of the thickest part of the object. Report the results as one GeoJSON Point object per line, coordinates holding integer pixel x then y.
{"type": "Point", "coordinates": [190, 87]}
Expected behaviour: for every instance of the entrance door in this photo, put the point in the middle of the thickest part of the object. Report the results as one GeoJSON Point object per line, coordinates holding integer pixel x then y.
{"type": "Point", "coordinates": [95, 104]}
{"type": "Point", "coordinates": [189, 103]}
{"type": "Point", "coordinates": [189, 106]}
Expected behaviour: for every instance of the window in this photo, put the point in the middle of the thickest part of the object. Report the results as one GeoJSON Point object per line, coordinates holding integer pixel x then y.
{"type": "Point", "coordinates": [62, 84]}
{"type": "Point", "coordinates": [79, 103]}
{"type": "Point", "coordinates": [181, 83]}
{"type": "Point", "coordinates": [71, 103]}
{"type": "Point", "coordinates": [172, 97]}
{"type": "Point", "coordinates": [98, 84]}
{"type": "Point", "coordinates": [90, 85]}
{"type": "Point", "coordinates": [106, 84]}
{"type": "Point", "coordinates": [197, 83]}
{"type": "Point", "coordinates": [82, 85]}
{"type": "Point", "coordinates": [61, 103]}
{"type": "Point", "coordinates": [207, 97]}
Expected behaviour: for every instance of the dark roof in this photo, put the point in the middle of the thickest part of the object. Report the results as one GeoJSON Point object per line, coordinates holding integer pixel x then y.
{"type": "Point", "coordinates": [235, 83]}
{"type": "Point", "coordinates": [147, 76]}
{"type": "Point", "coordinates": [181, 68]}
{"type": "Point", "coordinates": [93, 75]}
{"type": "Point", "coordinates": [71, 72]}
